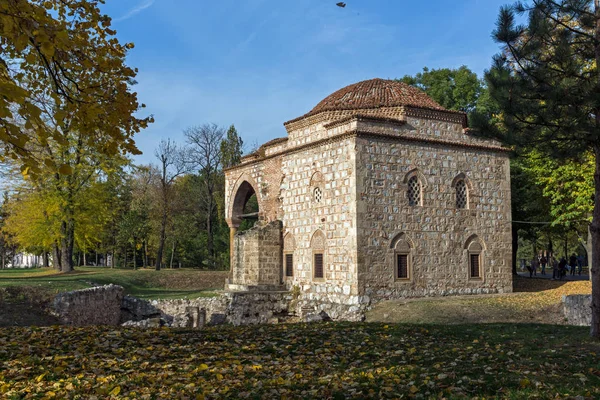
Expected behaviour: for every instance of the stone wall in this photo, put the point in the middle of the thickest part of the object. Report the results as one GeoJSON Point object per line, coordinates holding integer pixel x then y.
{"type": "Point", "coordinates": [331, 168]}
{"type": "Point", "coordinates": [95, 306]}
{"type": "Point", "coordinates": [436, 232]}
{"type": "Point", "coordinates": [244, 308]}
{"type": "Point", "coordinates": [578, 309]}
{"type": "Point", "coordinates": [257, 255]}
{"type": "Point", "coordinates": [360, 160]}
{"type": "Point", "coordinates": [265, 178]}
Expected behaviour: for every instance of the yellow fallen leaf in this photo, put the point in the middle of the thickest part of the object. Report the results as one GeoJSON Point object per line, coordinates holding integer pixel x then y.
{"type": "Point", "coordinates": [115, 391]}
{"type": "Point", "coordinates": [524, 383]}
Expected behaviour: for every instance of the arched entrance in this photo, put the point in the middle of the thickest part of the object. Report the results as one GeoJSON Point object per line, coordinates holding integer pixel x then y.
{"type": "Point", "coordinates": [256, 254]}
{"type": "Point", "coordinates": [245, 209]}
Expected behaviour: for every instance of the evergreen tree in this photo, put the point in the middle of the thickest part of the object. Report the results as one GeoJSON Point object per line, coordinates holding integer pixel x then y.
{"type": "Point", "coordinates": [231, 148]}
{"type": "Point", "coordinates": [546, 83]}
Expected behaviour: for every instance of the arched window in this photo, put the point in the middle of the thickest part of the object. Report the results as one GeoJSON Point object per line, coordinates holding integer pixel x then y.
{"type": "Point", "coordinates": [402, 257]}
{"type": "Point", "coordinates": [462, 195]}
{"type": "Point", "coordinates": [475, 255]}
{"type": "Point", "coordinates": [317, 245]}
{"type": "Point", "coordinates": [414, 191]}
{"type": "Point", "coordinates": [289, 245]}
{"type": "Point", "coordinates": [316, 188]}
{"type": "Point", "coordinates": [317, 194]}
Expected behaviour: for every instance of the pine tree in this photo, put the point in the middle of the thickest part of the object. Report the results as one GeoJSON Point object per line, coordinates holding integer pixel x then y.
{"type": "Point", "coordinates": [231, 148]}
{"type": "Point", "coordinates": [546, 82]}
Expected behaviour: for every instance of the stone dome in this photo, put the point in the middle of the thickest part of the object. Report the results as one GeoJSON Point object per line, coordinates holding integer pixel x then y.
{"type": "Point", "coordinates": [376, 93]}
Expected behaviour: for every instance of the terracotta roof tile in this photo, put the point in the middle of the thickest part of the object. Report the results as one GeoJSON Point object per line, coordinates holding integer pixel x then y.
{"type": "Point", "coordinates": [376, 93]}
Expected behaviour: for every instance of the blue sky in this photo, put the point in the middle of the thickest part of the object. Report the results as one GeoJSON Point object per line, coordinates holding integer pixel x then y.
{"type": "Point", "coordinates": [259, 63]}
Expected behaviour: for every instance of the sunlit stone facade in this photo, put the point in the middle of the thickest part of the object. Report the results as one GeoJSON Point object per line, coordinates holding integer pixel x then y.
{"type": "Point", "coordinates": [376, 193]}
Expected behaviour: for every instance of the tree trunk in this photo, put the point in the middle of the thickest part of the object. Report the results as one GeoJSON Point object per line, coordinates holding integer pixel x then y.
{"type": "Point", "coordinates": [56, 257]}
{"type": "Point", "coordinates": [125, 258]}
{"type": "Point", "coordinates": [172, 254]}
{"type": "Point", "coordinates": [84, 259]}
{"type": "Point", "coordinates": [46, 261]}
{"type": "Point", "coordinates": [515, 248]}
{"type": "Point", "coordinates": [209, 228]}
{"type": "Point", "coordinates": [145, 253]}
{"type": "Point", "coordinates": [67, 242]}
{"type": "Point", "coordinates": [134, 257]}
{"type": "Point", "coordinates": [595, 233]}
{"type": "Point", "coordinates": [590, 252]}
{"type": "Point", "coordinates": [96, 257]}
{"type": "Point", "coordinates": [163, 233]}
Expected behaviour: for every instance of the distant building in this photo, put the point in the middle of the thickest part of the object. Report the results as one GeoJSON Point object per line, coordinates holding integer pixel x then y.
{"type": "Point", "coordinates": [26, 260]}
{"type": "Point", "coordinates": [378, 192]}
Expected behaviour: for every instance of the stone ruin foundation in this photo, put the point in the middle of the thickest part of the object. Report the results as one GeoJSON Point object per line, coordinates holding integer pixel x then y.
{"type": "Point", "coordinates": [106, 305]}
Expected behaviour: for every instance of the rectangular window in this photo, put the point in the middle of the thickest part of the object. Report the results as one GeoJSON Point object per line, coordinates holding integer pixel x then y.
{"type": "Point", "coordinates": [402, 266]}
{"type": "Point", "coordinates": [289, 265]}
{"type": "Point", "coordinates": [318, 265]}
{"type": "Point", "coordinates": [475, 273]}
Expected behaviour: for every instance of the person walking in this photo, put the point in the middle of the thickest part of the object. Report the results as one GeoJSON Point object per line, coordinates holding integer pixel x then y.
{"type": "Point", "coordinates": [534, 265]}
{"type": "Point", "coordinates": [543, 261]}
{"type": "Point", "coordinates": [573, 263]}
{"type": "Point", "coordinates": [579, 263]}
{"type": "Point", "coordinates": [562, 268]}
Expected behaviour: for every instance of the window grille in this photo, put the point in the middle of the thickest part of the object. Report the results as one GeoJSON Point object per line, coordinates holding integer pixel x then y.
{"type": "Point", "coordinates": [318, 195]}
{"type": "Point", "coordinates": [289, 265]}
{"type": "Point", "coordinates": [414, 191]}
{"type": "Point", "coordinates": [402, 266]}
{"type": "Point", "coordinates": [318, 265]}
{"type": "Point", "coordinates": [475, 272]}
{"type": "Point", "coordinates": [461, 195]}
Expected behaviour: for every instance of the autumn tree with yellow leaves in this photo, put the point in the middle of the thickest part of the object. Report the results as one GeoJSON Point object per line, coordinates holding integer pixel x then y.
{"type": "Point", "coordinates": [67, 112]}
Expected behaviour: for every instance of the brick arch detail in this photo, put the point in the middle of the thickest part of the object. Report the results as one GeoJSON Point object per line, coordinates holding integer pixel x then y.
{"type": "Point", "coordinates": [474, 239]}
{"type": "Point", "coordinates": [415, 172]}
{"type": "Point", "coordinates": [243, 189]}
{"type": "Point", "coordinates": [401, 237]}
{"type": "Point", "coordinates": [463, 177]}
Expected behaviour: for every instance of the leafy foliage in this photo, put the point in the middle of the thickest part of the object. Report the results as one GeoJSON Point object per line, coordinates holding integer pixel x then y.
{"type": "Point", "coordinates": [454, 89]}
{"type": "Point", "coordinates": [62, 58]}
{"type": "Point", "coordinates": [231, 148]}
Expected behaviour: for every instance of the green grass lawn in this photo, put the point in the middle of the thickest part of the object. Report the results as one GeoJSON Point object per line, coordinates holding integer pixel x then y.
{"type": "Point", "coordinates": [143, 283]}
{"type": "Point", "coordinates": [533, 301]}
{"type": "Point", "coordinates": [327, 360]}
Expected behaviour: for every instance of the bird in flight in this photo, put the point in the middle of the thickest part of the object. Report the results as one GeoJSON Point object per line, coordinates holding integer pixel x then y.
{"type": "Point", "coordinates": [341, 4]}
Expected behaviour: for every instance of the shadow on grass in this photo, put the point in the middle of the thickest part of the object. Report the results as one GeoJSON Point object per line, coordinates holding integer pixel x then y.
{"type": "Point", "coordinates": [528, 285]}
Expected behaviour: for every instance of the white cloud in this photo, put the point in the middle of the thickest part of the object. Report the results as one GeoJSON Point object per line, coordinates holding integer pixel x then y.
{"type": "Point", "coordinates": [135, 10]}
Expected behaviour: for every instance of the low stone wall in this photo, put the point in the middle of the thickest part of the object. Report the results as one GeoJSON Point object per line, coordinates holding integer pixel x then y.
{"type": "Point", "coordinates": [175, 313]}
{"type": "Point", "coordinates": [106, 305]}
{"type": "Point", "coordinates": [578, 309]}
{"type": "Point", "coordinates": [95, 306]}
{"type": "Point", "coordinates": [245, 308]}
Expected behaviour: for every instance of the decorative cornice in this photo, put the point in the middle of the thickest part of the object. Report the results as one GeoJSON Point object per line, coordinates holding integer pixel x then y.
{"type": "Point", "coordinates": [395, 112]}
{"type": "Point", "coordinates": [364, 118]}
{"type": "Point", "coordinates": [457, 117]}
{"type": "Point", "coordinates": [441, 142]}
{"type": "Point", "coordinates": [366, 133]}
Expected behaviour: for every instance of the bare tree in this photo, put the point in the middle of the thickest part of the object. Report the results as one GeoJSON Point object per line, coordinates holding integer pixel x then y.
{"type": "Point", "coordinates": [205, 155]}
{"type": "Point", "coordinates": [172, 163]}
